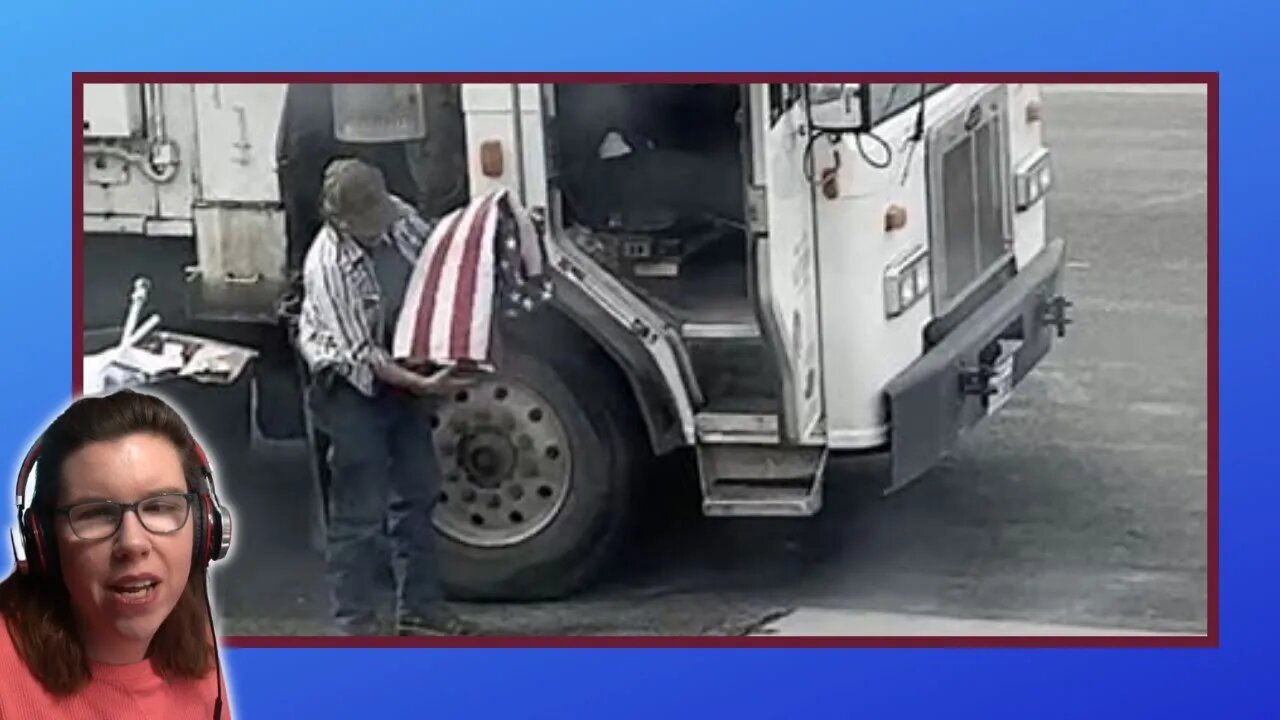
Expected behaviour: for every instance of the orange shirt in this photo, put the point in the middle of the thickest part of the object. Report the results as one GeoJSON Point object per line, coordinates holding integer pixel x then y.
{"type": "Point", "coordinates": [115, 691]}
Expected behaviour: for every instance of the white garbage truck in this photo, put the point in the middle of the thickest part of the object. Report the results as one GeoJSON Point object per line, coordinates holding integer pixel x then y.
{"type": "Point", "coordinates": [758, 276]}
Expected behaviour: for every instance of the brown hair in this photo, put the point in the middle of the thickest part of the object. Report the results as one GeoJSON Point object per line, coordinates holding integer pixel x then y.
{"type": "Point", "coordinates": [37, 607]}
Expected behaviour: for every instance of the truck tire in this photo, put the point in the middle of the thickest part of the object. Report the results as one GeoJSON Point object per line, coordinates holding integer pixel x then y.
{"type": "Point", "coordinates": [538, 475]}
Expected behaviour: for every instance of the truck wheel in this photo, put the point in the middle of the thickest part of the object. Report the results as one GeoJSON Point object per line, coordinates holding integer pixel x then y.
{"type": "Point", "coordinates": [537, 484]}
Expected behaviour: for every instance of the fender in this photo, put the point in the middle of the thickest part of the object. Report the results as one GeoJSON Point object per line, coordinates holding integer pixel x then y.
{"type": "Point", "coordinates": [653, 395]}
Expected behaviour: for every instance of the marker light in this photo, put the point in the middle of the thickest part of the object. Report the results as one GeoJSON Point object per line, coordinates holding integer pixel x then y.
{"type": "Point", "coordinates": [1035, 112]}
{"type": "Point", "coordinates": [491, 158]}
{"type": "Point", "coordinates": [895, 218]}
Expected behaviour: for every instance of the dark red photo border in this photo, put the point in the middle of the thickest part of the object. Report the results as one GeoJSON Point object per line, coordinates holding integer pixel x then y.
{"type": "Point", "coordinates": [1210, 640]}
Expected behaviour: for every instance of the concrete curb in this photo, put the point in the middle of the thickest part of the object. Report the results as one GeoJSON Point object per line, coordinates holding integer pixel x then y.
{"type": "Point", "coordinates": [820, 622]}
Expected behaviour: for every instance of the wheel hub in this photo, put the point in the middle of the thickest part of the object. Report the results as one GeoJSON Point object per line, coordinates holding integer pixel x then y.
{"type": "Point", "coordinates": [488, 457]}
{"type": "Point", "coordinates": [505, 464]}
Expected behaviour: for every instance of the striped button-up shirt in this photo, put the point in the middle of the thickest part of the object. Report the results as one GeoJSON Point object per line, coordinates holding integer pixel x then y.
{"type": "Point", "coordinates": [342, 323]}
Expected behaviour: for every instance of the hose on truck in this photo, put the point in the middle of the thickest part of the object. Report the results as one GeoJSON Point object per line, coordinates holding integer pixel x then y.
{"type": "Point", "coordinates": [165, 175]}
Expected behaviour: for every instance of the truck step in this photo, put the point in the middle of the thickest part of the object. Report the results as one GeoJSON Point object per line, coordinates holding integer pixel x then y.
{"type": "Point", "coordinates": [736, 377]}
{"type": "Point", "coordinates": [761, 480]}
{"type": "Point", "coordinates": [746, 501]}
{"type": "Point", "coordinates": [720, 330]}
{"type": "Point", "coordinates": [737, 428]}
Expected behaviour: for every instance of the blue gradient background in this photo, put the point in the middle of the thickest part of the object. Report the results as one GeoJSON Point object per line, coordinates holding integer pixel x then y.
{"type": "Point", "coordinates": [41, 46]}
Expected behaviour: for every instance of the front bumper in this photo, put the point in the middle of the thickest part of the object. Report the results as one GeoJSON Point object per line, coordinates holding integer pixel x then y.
{"type": "Point", "coordinates": [969, 374]}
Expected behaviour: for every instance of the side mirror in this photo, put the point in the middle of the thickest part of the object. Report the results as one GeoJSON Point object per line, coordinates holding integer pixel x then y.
{"type": "Point", "coordinates": [838, 106]}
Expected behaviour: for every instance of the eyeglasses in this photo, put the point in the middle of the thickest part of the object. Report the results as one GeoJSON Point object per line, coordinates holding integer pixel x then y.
{"type": "Point", "coordinates": [162, 514]}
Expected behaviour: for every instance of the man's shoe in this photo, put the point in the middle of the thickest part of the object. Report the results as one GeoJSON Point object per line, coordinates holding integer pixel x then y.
{"type": "Point", "coordinates": [439, 621]}
{"type": "Point", "coordinates": [363, 627]}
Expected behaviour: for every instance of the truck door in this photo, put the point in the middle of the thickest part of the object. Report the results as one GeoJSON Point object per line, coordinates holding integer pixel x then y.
{"type": "Point", "coordinates": [783, 249]}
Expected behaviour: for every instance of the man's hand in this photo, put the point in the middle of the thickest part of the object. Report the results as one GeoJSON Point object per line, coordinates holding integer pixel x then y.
{"type": "Point", "coordinates": [441, 382]}
{"type": "Point", "coordinates": [438, 383]}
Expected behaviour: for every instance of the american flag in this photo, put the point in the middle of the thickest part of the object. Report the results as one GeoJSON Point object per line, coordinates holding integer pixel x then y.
{"type": "Point", "coordinates": [478, 257]}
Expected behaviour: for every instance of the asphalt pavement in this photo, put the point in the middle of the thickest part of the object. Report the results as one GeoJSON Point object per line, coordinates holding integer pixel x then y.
{"type": "Point", "coordinates": [1082, 505]}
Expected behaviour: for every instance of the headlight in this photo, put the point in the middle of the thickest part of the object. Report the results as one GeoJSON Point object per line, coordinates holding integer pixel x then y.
{"type": "Point", "coordinates": [906, 280]}
{"type": "Point", "coordinates": [1033, 180]}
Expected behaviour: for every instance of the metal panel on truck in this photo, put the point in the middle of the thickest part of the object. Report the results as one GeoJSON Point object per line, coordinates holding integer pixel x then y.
{"type": "Point", "coordinates": [112, 110]}
{"type": "Point", "coordinates": [240, 224]}
{"type": "Point", "coordinates": [236, 127]}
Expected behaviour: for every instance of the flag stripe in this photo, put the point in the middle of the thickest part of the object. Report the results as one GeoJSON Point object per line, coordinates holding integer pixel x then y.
{"type": "Point", "coordinates": [427, 301]}
{"type": "Point", "coordinates": [446, 304]}
{"type": "Point", "coordinates": [481, 232]}
{"type": "Point", "coordinates": [407, 322]}
{"type": "Point", "coordinates": [483, 298]}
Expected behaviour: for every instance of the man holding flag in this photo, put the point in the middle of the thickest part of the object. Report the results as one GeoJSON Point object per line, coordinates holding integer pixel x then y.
{"type": "Point", "coordinates": [371, 406]}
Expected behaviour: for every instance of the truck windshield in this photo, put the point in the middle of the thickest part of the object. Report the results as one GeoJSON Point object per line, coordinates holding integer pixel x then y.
{"type": "Point", "coordinates": [889, 99]}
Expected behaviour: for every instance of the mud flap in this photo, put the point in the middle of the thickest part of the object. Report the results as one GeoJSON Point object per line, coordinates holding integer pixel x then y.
{"type": "Point", "coordinates": [971, 372]}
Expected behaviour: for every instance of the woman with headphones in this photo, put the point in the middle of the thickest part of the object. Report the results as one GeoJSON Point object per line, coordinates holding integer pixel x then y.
{"type": "Point", "coordinates": [106, 614]}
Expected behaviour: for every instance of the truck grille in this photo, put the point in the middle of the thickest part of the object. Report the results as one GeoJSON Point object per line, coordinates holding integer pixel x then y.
{"type": "Point", "coordinates": [969, 198]}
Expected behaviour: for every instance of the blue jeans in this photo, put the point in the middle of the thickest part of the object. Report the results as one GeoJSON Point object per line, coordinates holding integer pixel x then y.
{"type": "Point", "coordinates": [385, 480]}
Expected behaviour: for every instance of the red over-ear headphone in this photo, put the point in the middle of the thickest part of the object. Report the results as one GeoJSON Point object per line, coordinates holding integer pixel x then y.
{"type": "Point", "coordinates": [34, 548]}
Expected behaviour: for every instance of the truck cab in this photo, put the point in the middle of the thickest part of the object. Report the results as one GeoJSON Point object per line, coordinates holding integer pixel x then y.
{"type": "Point", "coordinates": [801, 254]}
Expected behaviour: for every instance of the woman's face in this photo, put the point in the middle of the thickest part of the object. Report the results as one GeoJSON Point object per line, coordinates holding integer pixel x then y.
{"type": "Point", "coordinates": [123, 586]}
